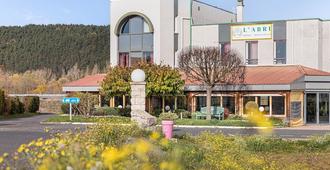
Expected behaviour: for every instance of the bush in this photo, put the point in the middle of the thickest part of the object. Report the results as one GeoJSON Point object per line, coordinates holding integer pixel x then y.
{"type": "Point", "coordinates": [126, 112]}
{"type": "Point", "coordinates": [106, 111]}
{"type": "Point", "coordinates": [2, 102]}
{"type": "Point", "coordinates": [185, 113]}
{"type": "Point", "coordinates": [65, 108]}
{"type": "Point", "coordinates": [168, 116]}
{"type": "Point", "coordinates": [87, 103]}
{"type": "Point", "coordinates": [156, 112]}
{"type": "Point", "coordinates": [14, 106]}
{"type": "Point", "coordinates": [31, 104]}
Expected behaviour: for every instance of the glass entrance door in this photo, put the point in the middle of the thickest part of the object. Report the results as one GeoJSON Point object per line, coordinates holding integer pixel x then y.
{"type": "Point", "coordinates": [324, 108]}
{"type": "Point", "coordinates": [311, 105]}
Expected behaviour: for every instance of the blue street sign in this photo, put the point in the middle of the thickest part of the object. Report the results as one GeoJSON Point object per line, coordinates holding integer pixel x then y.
{"type": "Point", "coordinates": [71, 100]}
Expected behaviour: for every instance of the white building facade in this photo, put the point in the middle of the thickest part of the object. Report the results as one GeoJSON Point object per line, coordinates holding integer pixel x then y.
{"type": "Point", "coordinates": [289, 60]}
{"type": "Point", "coordinates": [157, 30]}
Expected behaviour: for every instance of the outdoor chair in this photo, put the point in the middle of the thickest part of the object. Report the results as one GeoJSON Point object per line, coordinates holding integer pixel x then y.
{"type": "Point", "coordinates": [217, 112]}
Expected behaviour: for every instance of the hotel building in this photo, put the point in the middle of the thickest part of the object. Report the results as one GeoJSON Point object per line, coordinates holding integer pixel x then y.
{"type": "Point", "coordinates": [288, 61]}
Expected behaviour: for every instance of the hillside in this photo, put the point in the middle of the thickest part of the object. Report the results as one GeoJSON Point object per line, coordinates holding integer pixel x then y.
{"type": "Point", "coordinates": [57, 47]}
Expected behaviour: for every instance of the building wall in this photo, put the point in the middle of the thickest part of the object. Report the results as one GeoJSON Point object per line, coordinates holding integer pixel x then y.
{"type": "Point", "coordinates": [161, 15]}
{"type": "Point", "coordinates": [303, 45]}
{"type": "Point", "coordinates": [207, 35]}
{"type": "Point", "coordinates": [325, 46]}
{"type": "Point", "coordinates": [202, 12]}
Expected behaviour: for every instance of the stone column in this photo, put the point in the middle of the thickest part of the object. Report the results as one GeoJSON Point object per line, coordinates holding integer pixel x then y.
{"type": "Point", "coordinates": [138, 96]}
{"type": "Point", "coordinates": [138, 100]}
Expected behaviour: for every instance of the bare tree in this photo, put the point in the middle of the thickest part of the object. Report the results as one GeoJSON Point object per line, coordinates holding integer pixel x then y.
{"type": "Point", "coordinates": [209, 66]}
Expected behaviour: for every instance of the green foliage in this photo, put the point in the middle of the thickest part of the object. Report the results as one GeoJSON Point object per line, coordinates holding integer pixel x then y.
{"type": "Point", "coordinates": [58, 47]}
{"type": "Point", "coordinates": [106, 111]}
{"type": "Point", "coordinates": [161, 80]}
{"type": "Point", "coordinates": [2, 102]}
{"type": "Point", "coordinates": [65, 108]}
{"type": "Point", "coordinates": [126, 112]}
{"type": "Point", "coordinates": [114, 135]}
{"type": "Point", "coordinates": [183, 112]}
{"type": "Point", "coordinates": [87, 103]}
{"type": "Point", "coordinates": [31, 104]}
{"type": "Point", "coordinates": [168, 116]}
{"type": "Point", "coordinates": [117, 82]}
{"type": "Point", "coordinates": [15, 106]}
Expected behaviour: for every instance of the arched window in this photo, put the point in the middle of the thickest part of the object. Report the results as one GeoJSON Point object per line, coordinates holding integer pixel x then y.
{"type": "Point", "coordinates": [135, 42]}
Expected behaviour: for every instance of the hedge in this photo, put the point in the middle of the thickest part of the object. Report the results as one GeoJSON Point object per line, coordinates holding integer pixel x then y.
{"type": "Point", "coordinates": [2, 102]}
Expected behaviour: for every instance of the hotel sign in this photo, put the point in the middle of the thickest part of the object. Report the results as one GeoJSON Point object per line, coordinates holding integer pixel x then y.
{"type": "Point", "coordinates": [252, 32]}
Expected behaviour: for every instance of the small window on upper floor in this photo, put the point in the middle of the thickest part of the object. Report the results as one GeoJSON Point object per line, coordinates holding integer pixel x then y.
{"type": "Point", "coordinates": [225, 47]}
{"type": "Point", "coordinates": [252, 52]}
{"type": "Point", "coordinates": [280, 52]}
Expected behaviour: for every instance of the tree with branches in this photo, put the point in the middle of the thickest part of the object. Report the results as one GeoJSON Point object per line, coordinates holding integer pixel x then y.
{"type": "Point", "coordinates": [210, 66]}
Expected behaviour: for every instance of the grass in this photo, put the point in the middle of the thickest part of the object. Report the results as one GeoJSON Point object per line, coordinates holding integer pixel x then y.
{"type": "Point", "coordinates": [202, 122]}
{"type": "Point", "coordinates": [7, 117]}
{"type": "Point", "coordinates": [114, 119]}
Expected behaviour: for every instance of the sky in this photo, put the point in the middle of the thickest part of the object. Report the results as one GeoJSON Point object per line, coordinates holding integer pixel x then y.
{"type": "Point", "coordinates": [96, 12]}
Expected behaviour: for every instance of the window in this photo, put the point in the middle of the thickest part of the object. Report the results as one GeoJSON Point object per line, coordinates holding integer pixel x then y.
{"type": "Point", "coordinates": [280, 52]}
{"type": "Point", "coordinates": [228, 102]}
{"type": "Point", "coordinates": [278, 105]}
{"type": "Point", "coordinates": [252, 53]}
{"type": "Point", "coordinates": [264, 104]}
{"type": "Point", "coordinates": [247, 99]}
{"type": "Point", "coordinates": [135, 42]}
{"type": "Point", "coordinates": [224, 47]}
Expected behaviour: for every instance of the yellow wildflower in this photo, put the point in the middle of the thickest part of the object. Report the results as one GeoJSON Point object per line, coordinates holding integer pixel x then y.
{"type": "Point", "coordinates": [39, 143]}
{"type": "Point", "coordinates": [62, 153]}
{"type": "Point", "coordinates": [41, 155]}
{"type": "Point", "coordinates": [169, 166]}
{"type": "Point", "coordinates": [92, 150]}
{"type": "Point", "coordinates": [142, 146]}
{"type": "Point", "coordinates": [164, 142]}
{"type": "Point", "coordinates": [1, 160]}
{"type": "Point", "coordinates": [21, 148]}
{"type": "Point", "coordinates": [5, 155]}
{"type": "Point", "coordinates": [154, 136]}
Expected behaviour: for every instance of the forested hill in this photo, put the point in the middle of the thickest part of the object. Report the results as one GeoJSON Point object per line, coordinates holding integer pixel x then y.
{"type": "Point", "coordinates": [57, 47]}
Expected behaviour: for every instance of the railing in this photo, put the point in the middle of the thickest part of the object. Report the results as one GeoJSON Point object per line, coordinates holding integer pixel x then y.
{"type": "Point", "coordinates": [279, 60]}
{"type": "Point", "coordinates": [252, 61]}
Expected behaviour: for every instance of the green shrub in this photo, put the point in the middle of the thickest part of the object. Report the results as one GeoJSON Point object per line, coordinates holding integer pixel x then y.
{"type": "Point", "coordinates": [235, 117]}
{"type": "Point", "coordinates": [168, 116]}
{"type": "Point", "coordinates": [65, 108]}
{"type": "Point", "coordinates": [106, 111]}
{"type": "Point", "coordinates": [126, 112]}
{"type": "Point", "coordinates": [183, 112]}
{"type": "Point", "coordinates": [14, 106]}
{"type": "Point", "coordinates": [2, 102]}
{"type": "Point", "coordinates": [156, 112]}
{"type": "Point", "coordinates": [32, 104]}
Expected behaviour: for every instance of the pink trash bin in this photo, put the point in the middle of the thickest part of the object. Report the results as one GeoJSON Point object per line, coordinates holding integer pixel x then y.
{"type": "Point", "coordinates": [167, 127]}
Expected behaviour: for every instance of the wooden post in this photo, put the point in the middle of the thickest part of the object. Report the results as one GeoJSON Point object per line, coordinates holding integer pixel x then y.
{"type": "Point", "coordinates": [124, 101]}
{"type": "Point", "coordinates": [175, 102]}
{"type": "Point", "coordinates": [100, 100]}
{"type": "Point", "coordinates": [163, 104]}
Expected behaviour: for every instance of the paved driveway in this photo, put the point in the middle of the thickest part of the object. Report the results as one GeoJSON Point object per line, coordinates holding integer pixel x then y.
{"type": "Point", "coordinates": [15, 132]}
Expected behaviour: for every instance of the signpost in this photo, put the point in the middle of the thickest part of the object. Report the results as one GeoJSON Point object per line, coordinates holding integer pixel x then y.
{"type": "Point", "coordinates": [71, 100]}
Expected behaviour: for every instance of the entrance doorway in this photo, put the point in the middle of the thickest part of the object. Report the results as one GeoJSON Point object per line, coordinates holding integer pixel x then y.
{"type": "Point", "coordinates": [317, 108]}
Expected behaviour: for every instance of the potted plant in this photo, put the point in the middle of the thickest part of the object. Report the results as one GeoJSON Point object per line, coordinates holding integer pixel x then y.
{"type": "Point", "coordinates": [167, 119]}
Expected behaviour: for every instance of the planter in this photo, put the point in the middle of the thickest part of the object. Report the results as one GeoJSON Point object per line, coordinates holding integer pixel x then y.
{"type": "Point", "coordinates": [167, 127]}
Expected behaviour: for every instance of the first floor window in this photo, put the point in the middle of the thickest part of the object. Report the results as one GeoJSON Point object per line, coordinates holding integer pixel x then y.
{"type": "Point", "coordinates": [280, 52]}
{"type": "Point", "coordinates": [252, 53]}
{"type": "Point", "coordinates": [228, 102]}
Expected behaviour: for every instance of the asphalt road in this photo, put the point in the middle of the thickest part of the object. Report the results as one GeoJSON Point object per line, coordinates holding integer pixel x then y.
{"type": "Point", "coordinates": [15, 132]}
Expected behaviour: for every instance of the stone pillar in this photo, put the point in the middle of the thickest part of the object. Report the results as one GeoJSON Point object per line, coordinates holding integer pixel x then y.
{"type": "Point", "coordinates": [138, 100]}
{"type": "Point", "coordinates": [138, 96]}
